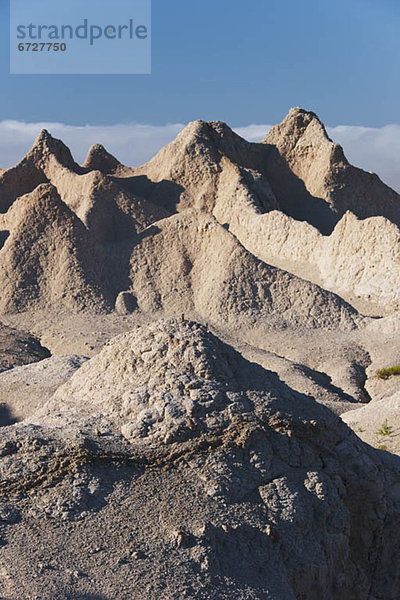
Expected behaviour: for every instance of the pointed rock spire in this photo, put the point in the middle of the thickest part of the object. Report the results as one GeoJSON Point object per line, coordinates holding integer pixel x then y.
{"type": "Point", "coordinates": [46, 145]}
{"type": "Point", "coordinates": [314, 181]}
{"type": "Point", "coordinates": [43, 136]}
{"type": "Point", "coordinates": [99, 159]}
{"type": "Point", "coordinates": [303, 128]}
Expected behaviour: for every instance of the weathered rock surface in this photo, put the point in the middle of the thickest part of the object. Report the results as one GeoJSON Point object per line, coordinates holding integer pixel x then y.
{"type": "Point", "coordinates": [231, 484]}
{"type": "Point", "coordinates": [359, 260]}
{"type": "Point", "coordinates": [189, 262]}
{"type": "Point", "coordinates": [186, 262]}
{"type": "Point", "coordinates": [126, 303]}
{"type": "Point", "coordinates": [49, 259]}
{"type": "Point", "coordinates": [25, 389]}
{"type": "Point", "coordinates": [98, 159]}
{"type": "Point", "coordinates": [139, 383]}
{"type": "Point", "coordinates": [276, 196]}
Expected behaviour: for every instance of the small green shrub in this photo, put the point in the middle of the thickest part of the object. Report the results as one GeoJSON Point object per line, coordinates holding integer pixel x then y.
{"type": "Point", "coordinates": [388, 372]}
{"type": "Point", "coordinates": [360, 429]}
{"type": "Point", "coordinates": [382, 447]}
{"type": "Point", "coordinates": [385, 429]}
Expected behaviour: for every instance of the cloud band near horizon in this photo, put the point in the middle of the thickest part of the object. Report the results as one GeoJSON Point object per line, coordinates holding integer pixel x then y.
{"type": "Point", "coordinates": [373, 149]}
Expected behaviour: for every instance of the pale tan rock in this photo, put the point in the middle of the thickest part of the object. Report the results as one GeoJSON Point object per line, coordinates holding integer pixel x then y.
{"type": "Point", "coordinates": [108, 210]}
{"type": "Point", "coordinates": [208, 167]}
{"type": "Point", "coordinates": [189, 262]}
{"type": "Point", "coordinates": [25, 389]}
{"type": "Point", "coordinates": [168, 433]}
{"type": "Point", "coordinates": [314, 165]}
{"type": "Point", "coordinates": [359, 260]}
{"type": "Point", "coordinates": [49, 258]}
{"type": "Point", "coordinates": [274, 196]}
{"type": "Point", "coordinates": [125, 303]}
{"type": "Point", "coordinates": [98, 159]}
{"type": "Point", "coordinates": [378, 423]}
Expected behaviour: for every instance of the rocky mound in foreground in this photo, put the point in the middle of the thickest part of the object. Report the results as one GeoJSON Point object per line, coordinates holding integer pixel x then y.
{"type": "Point", "coordinates": [225, 484]}
{"type": "Point", "coordinates": [165, 382]}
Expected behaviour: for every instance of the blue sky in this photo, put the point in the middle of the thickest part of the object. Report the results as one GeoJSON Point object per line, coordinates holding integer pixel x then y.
{"type": "Point", "coordinates": [245, 63]}
{"type": "Point", "coordinates": [241, 62]}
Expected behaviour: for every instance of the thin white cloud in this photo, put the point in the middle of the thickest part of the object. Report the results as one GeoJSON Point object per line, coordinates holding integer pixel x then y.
{"type": "Point", "coordinates": [373, 149]}
{"type": "Point", "coordinates": [253, 133]}
{"type": "Point", "coordinates": [133, 144]}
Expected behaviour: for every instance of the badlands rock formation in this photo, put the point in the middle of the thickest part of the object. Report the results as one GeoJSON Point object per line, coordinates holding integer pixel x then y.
{"type": "Point", "coordinates": [281, 198]}
{"type": "Point", "coordinates": [148, 383]}
{"type": "Point", "coordinates": [275, 198]}
{"type": "Point", "coordinates": [209, 168]}
{"type": "Point", "coordinates": [190, 263]}
{"type": "Point", "coordinates": [220, 291]}
{"type": "Point", "coordinates": [98, 243]}
{"type": "Point", "coordinates": [305, 154]}
{"type": "Point", "coordinates": [224, 484]}
{"type": "Point", "coordinates": [48, 258]}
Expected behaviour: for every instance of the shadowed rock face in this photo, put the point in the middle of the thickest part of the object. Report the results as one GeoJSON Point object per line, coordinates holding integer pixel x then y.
{"type": "Point", "coordinates": [16, 348]}
{"type": "Point", "coordinates": [313, 180]}
{"type": "Point", "coordinates": [225, 483]}
{"type": "Point", "coordinates": [19, 348]}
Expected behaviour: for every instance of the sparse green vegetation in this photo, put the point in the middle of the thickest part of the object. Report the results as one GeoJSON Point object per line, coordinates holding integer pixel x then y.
{"type": "Point", "coordinates": [388, 372]}
{"type": "Point", "coordinates": [385, 429]}
{"type": "Point", "coordinates": [360, 429]}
